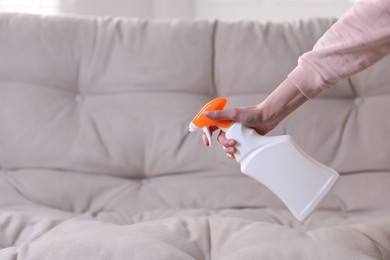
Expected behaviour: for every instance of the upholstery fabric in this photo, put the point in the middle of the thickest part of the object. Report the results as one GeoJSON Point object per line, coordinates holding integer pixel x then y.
{"type": "Point", "coordinates": [96, 161]}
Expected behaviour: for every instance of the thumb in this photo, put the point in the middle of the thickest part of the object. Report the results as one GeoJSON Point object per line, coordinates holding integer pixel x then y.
{"type": "Point", "coordinates": [248, 116]}
{"type": "Point", "coordinates": [221, 115]}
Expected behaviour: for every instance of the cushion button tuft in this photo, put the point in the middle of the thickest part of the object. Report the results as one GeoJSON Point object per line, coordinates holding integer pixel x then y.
{"type": "Point", "coordinates": [359, 101]}
{"type": "Point", "coordinates": [80, 98]}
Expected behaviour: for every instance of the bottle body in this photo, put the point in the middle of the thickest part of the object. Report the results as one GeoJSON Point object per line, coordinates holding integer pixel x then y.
{"type": "Point", "coordinates": [281, 165]}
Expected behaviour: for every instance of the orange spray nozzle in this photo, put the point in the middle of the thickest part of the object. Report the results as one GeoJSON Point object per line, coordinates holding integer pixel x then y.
{"type": "Point", "coordinates": [201, 121]}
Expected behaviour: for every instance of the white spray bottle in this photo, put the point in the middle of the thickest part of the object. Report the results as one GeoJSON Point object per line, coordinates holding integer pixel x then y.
{"type": "Point", "coordinates": [297, 179]}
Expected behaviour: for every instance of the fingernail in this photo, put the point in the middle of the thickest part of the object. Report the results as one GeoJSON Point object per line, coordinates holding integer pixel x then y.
{"type": "Point", "coordinates": [231, 142]}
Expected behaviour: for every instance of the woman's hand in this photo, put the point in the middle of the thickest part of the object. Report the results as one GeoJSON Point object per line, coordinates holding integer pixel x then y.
{"type": "Point", "coordinates": [249, 116]}
{"type": "Point", "coordinates": [263, 117]}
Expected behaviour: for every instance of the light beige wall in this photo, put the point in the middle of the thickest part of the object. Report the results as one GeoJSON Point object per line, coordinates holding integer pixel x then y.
{"type": "Point", "coordinates": [107, 7]}
{"type": "Point", "coordinates": [271, 10]}
{"type": "Point", "coordinates": [264, 10]}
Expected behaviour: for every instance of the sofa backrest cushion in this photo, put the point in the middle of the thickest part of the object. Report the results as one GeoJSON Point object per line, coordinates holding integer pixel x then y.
{"type": "Point", "coordinates": [114, 96]}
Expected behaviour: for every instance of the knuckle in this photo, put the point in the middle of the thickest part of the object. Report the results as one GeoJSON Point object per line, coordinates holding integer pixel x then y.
{"type": "Point", "coordinates": [216, 114]}
{"type": "Point", "coordinates": [235, 114]}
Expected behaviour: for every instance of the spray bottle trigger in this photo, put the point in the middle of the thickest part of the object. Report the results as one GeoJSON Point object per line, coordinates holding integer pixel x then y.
{"type": "Point", "coordinates": [207, 132]}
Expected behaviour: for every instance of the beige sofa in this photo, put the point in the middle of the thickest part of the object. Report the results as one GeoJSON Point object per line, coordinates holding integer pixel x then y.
{"type": "Point", "coordinates": [96, 161]}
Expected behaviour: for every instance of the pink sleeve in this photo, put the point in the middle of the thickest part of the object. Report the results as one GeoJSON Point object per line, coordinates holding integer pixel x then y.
{"type": "Point", "coordinates": [357, 40]}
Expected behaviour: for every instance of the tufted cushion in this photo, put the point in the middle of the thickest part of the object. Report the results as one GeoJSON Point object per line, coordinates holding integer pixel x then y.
{"type": "Point", "coordinates": [76, 95]}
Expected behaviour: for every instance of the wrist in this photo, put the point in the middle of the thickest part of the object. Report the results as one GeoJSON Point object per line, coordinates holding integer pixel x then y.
{"type": "Point", "coordinates": [281, 102]}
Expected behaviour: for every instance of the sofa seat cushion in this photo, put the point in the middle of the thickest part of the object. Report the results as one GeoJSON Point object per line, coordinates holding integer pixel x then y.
{"type": "Point", "coordinates": [103, 219]}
